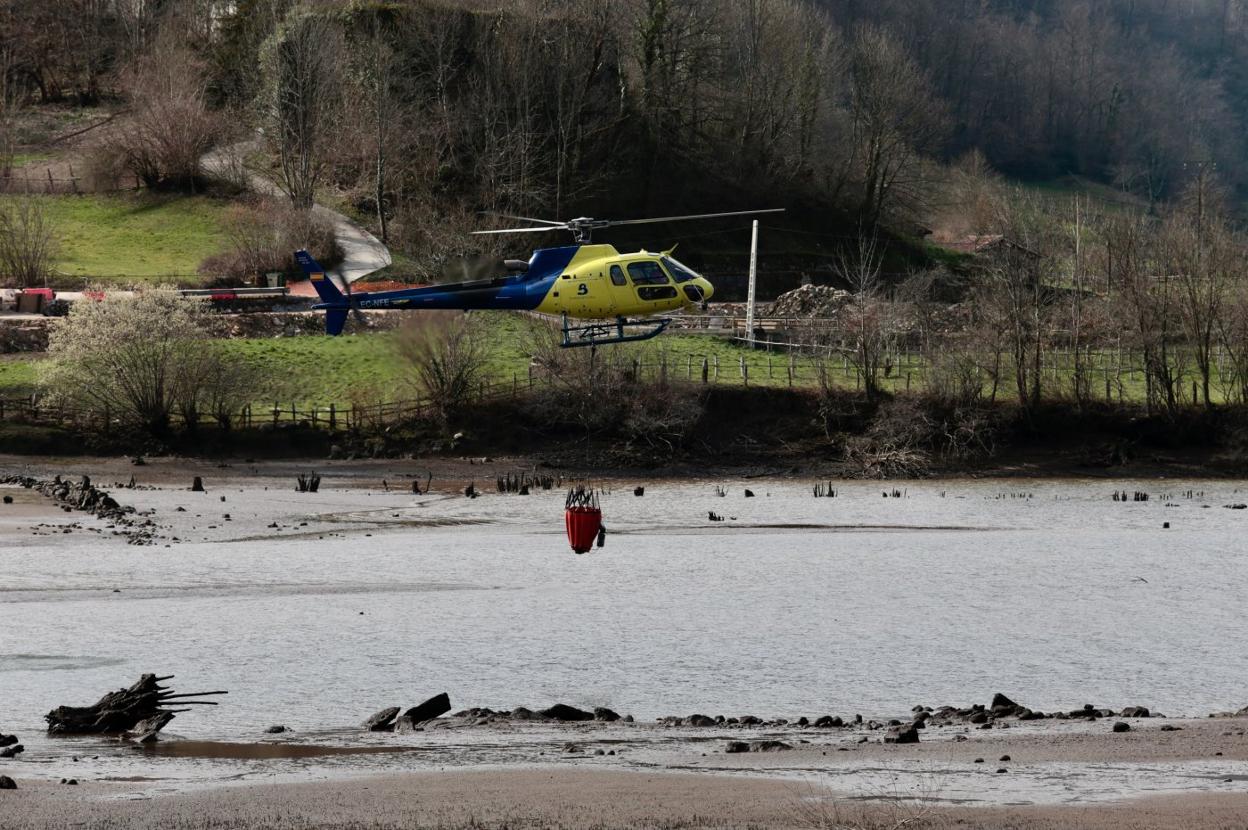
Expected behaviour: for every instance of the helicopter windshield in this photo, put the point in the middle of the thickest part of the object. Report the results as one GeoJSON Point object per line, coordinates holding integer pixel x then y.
{"type": "Point", "coordinates": [679, 272]}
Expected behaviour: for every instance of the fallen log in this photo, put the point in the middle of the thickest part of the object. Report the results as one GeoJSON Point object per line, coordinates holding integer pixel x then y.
{"type": "Point", "coordinates": [139, 710]}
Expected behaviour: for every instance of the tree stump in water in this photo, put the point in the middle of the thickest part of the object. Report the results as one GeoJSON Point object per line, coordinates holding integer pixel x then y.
{"type": "Point", "coordinates": [197, 486]}
{"type": "Point", "coordinates": [139, 710]}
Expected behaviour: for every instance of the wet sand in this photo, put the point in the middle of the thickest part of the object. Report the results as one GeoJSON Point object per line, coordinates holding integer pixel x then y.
{"type": "Point", "coordinates": [558, 798]}
{"type": "Point", "coordinates": [268, 750]}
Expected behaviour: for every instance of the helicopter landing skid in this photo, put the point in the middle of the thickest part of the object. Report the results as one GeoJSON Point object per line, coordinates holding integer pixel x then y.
{"type": "Point", "coordinates": [606, 334]}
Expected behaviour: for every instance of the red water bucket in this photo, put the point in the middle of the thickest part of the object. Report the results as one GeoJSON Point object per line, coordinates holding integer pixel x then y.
{"type": "Point", "coordinates": [583, 526]}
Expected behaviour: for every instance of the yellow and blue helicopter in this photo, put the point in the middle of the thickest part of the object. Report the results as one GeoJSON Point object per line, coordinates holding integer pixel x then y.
{"type": "Point", "coordinates": [621, 293]}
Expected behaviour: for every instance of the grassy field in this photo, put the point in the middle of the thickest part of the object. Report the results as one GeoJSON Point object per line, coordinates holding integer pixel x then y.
{"type": "Point", "coordinates": [135, 238]}
{"type": "Point", "coordinates": [17, 375]}
{"type": "Point", "coordinates": [366, 368]}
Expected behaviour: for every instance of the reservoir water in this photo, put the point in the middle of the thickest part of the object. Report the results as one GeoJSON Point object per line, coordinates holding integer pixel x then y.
{"type": "Point", "coordinates": [792, 605]}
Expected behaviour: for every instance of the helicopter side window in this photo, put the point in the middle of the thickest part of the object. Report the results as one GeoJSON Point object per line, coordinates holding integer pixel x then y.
{"type": "Point", "coordinates": [680, 273]}
{"type": "Point", "coordinates": [617, 276]}
{"type": "Point", "coordinates": [647, 273]}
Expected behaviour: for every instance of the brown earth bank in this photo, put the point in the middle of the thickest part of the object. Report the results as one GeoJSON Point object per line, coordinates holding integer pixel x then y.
{"type": "Point", "coordinates": [744, 432]}
{"type": "Point", "coordinates": [562, 798]}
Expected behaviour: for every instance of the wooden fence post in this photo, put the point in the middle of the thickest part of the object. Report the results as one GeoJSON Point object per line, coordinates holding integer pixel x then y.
{"type": "Point", "coordinates": [333, 418]}
{"type": "Point", "coordinates": [745, 372]}
{"type": "Point", "coordinates": [706, 369]}
{"type": "Point", "coordinates": [276, 411]}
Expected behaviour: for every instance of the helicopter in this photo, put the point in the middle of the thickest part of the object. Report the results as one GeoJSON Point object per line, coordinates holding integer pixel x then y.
{"type": "Point", "coordinates": [618, 294]}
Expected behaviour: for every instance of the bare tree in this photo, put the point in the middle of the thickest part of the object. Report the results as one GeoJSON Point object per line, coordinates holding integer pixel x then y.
{"type": "Point", "coordinates": [1021, 291]}
{"type": "Point", "coordinates": [170, 127]}
{"type": "Point", "coordinates": [1081, 378]}
{"type": "Point", "coordinates": [303, 102]}
{"type": "Point", "coordinates": [1202, 254]}
{"type": "Point", "coordinates": [869, 318]}
{"type": "Point", "coordinates": [1149, 301]}
{"type": "Point", "coordinates": [212, 383]}
{"type": "Point", "coordinates": [1233, 340]}
{"type": "Point", "coordinates": [8, 90]}
{"type": "Point", "coordinates": [375, 71]}
{"type": "Point", "coordinates": [28, 241]}
{"type": "Point", "coordinates": [894, 116]}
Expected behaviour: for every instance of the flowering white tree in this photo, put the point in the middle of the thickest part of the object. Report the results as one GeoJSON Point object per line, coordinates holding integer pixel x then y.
{"type": "Point", "coordinates": [139, 359]}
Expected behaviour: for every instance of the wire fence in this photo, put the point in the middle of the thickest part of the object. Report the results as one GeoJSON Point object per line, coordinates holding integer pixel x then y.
{"type": "Point", "coordinates": [27, 181]}
{"type": "Point", "coordinates": [1109, 375]}
{"type": "Point", "coordinates": [371, 416]}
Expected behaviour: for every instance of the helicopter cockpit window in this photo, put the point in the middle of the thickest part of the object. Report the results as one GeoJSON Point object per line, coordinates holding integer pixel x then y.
{"type": "Point", "coordinates": [617, 276]}
{"type": "Point", "coordinates": [647, 273]}
{"type": "Point", "coordinates": [679, 272]}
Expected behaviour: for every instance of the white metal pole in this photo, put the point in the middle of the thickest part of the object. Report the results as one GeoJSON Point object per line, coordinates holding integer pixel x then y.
{"type": "Point", "coordinates": [749, 308]}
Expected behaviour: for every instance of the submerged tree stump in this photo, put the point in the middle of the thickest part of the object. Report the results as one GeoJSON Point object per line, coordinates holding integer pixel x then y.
{"type": "Point", "coordinates": [139, 710]}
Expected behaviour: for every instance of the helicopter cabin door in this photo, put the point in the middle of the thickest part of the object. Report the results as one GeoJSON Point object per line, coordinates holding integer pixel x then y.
{"type": "Point", "coordinates": [584, 294]}
{"type": "Point", "coordinates": [653, 288]}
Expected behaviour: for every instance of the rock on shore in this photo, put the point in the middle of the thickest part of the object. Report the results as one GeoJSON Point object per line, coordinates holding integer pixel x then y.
{"type": "Point", "coordinates": [83, 495]}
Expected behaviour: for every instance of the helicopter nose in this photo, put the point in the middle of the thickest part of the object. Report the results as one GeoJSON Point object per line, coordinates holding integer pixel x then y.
{"type": "Point", "coordinates": [708, 290]}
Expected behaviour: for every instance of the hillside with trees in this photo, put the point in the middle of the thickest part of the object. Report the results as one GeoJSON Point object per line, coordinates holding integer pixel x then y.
{"type": "Point", "coordinates": [1021, 201]}
{"type": "Point", "coordinates": [422, 114]}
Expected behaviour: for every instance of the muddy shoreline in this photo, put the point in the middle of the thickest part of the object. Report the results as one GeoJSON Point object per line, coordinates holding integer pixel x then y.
{"type": "Point", "coordinates": [451, 473]}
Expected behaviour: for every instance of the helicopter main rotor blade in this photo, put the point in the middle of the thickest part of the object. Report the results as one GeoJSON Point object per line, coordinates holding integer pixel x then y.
{"type": "Point", "coordinates": [523, 230]}
{"type": "Point", "coordinates": [693, 216]}
{"type": "Point", "coordinates": [550, 222]}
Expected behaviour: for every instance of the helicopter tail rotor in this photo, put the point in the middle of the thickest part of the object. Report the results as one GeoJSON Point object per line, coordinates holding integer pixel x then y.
{"type": "Point", "coordinates": [334, 301]}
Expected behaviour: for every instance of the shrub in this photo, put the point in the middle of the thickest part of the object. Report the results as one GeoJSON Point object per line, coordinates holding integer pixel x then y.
{"type": "Point", "coordinates": [909, 432]}
{"type": "Point", "coordinates": [444, 353]}
{"type": "Point", "coordinates": [170, 127]}
{"type": "Point", "coordinates": [27, 242]}
{"type": "Point", "coordinates": [264, 235]}
{"type": "Point", "coordinates": [600, 392]}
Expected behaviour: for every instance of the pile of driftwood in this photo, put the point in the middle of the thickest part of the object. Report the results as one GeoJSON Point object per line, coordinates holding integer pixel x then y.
{"type": "Point", "coordinates": [138, 712]}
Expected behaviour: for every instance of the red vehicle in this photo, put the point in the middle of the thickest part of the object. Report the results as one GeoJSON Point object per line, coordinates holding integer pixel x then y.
{"type": "Point", "coordinates": [34, 300]}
